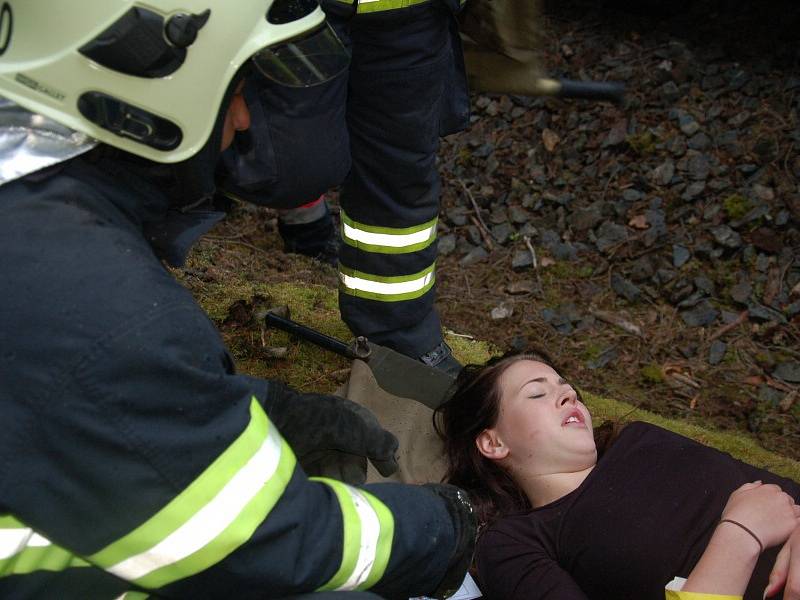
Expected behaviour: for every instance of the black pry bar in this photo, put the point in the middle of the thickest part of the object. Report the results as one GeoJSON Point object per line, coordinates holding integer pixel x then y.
{"type": "Point", "coordinates": [612, 91]}
{"type": "Point", "coordinates": [322, 340]}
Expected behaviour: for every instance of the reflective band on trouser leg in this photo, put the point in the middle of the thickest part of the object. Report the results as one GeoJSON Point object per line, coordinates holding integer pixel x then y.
{"type": "Point", "coordinates": [213, 516]}
{"type": "Point", "coordinates": [386, 289]}
{"type": "Point", "coordinates": [368, 534]}
{"type": "Point", "coordinates": [387, 240]}
{"type": "Point", "coordinates": [23, 551]}
{"type": "Point", "coordinates": [367, 6]}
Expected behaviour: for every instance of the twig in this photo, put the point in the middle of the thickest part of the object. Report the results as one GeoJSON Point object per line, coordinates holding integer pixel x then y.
{"type": "Point", "coordinates": [611, 178]}
{"type": "Point", "coordinates": [475, 206]}
{"type": "Point", "coordinates": [742, 318]}
{"type": "Point", "coordinates": [484, 234]}
{"type": "Point", "coordinates": [535, 262]}
{"type": "Point", "coordinates": [613, 319]}
{"type": "Point", "coordinates": [779, 384]}
{"type": "Point", "coordinates": [238, 243]}
{"type": "Point", "coordinates": [459, 335]}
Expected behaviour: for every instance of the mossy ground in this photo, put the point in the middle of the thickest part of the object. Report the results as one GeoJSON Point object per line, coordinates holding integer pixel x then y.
{"type": "Point", "coordinates": [235, 283]}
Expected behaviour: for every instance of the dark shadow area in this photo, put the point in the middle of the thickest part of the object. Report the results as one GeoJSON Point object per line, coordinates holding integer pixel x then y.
{"type": "Point", "coordinates": [746, 31]}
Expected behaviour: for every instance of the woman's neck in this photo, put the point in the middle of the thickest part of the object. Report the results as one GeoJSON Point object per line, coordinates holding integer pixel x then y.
{"type": "Point", "coordinates": [547, 488]}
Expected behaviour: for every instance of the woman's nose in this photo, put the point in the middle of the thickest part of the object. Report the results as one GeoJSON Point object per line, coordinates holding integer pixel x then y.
{"type": "Point", "coordinates": [570, 396]}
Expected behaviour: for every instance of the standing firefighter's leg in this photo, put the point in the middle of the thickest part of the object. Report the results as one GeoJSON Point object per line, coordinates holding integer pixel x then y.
{"type": "Point", "coordinates": [399, 94]}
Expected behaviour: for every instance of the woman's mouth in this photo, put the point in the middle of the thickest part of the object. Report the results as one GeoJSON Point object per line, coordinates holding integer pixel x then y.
{"type": "Point", "coordinates": [573, 418]}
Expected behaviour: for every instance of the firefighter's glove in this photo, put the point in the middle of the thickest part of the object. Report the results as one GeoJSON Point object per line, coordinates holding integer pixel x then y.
{"type": "Point", "coordinates": [331, 436]}
{"type": "Point", "coordinates": [465, 533]}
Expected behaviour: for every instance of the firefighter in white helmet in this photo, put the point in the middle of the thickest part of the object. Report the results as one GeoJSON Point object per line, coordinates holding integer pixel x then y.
{"type": "Point", "coordinates": [134, 461]}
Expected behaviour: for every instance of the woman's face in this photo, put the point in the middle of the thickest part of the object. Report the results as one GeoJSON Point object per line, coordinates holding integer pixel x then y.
{"type": "Point", "coordinates": [542, 427]}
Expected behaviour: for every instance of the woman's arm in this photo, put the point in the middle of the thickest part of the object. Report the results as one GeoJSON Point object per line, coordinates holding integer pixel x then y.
{"type": "Point", "coordinates": [756, 517]}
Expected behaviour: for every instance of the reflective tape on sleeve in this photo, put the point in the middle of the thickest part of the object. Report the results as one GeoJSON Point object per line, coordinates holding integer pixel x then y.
{"type": "Point", "coordinates": [367, 6]}
{"type": "Point", "coordinates": [23, 551]}
{"type": "Point", "coordinates": [368, 533]}
{"type": "Point", "coordinates": [386, 289]}
{"type": "Point", "coordinates": [213, 516]}
{"type": "Point", "coordinates": [387, 240]}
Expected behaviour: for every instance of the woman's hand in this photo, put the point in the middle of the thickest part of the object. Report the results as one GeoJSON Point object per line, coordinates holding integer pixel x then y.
{"type": "Point", "coordinates": [732, 553]}
{"type": "Point", "coordinates": [764, 509]}
{"type": "Point", "coordinates": [786, 572]}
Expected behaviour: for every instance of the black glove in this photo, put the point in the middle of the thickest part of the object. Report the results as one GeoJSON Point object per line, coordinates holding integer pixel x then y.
{"type": "Point", "coordinates": [331, 436]}
{"type": "Point", "coordinates": [466, 530]}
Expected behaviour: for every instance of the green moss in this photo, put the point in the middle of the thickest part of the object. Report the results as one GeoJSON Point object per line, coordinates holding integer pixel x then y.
{"type": "Point", "coordinates": [592, 351]}
{"type": "Point", "coordinates": [652, 373]}
{"type": "Point", "coordinates": [736, 206]}
{"type": "Point", "coordinates": [567, 270]}
{"type": "Point", "coordinates": [470, 351]}
{"type": "Point", "coordinates": [739, 445]}
{"type": "Point", "coordinates": [308, 367]}
{"type": "Point", "coordinates": [642, 143]}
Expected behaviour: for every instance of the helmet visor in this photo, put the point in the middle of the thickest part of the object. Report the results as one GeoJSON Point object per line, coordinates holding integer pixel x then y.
{"type": "Point", "coordinates": [314, 58]}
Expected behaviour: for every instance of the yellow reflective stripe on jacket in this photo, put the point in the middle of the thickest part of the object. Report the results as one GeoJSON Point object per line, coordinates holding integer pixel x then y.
{"type": "Point", "coordinates": [674, 595]}
{"type": "Point", "coordinates": [387, 240]}
{"type": "Point", "coordinates": [213, 516]}
{"type": "Point", "coordinates": [368, 534]}
{"type": "Point", "coordinates": [368, 6]}
{"type": "Point", "coordinates": [386, 289]}
{"type": "Point", "coordinates": [23, 551]}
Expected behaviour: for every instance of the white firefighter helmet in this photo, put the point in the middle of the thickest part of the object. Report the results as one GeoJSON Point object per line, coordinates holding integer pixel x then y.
{"type": "Point", "coordinates": [149, 77]}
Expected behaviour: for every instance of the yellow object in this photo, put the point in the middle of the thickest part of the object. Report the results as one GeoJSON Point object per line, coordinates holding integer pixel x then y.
{"type": "Point", "coordinates": [501, 41]}
{"type": "Point", "coordinates": [671, 595]}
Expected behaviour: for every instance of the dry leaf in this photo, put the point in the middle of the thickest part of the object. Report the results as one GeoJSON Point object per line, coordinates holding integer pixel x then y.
{"type": "Point", "coordinates": [754, 380]}
{"type": "Point", "coordinates": [639, 222]}
{"type": "Point", "coordinates": [550, 139]}
{"type": "Point", "coordinates": [276, 352]}
{"type": "Point", "coordinates": [546, 261]}
{"type": "Point", "coordinates": [788, 401]}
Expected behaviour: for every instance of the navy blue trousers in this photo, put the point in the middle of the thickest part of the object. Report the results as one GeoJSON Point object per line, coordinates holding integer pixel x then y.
{"type": "Point", "coordinates": [375, 131]}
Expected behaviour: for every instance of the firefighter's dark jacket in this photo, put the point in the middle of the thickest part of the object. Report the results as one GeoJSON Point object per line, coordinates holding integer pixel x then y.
{"type": "Point", "coordinates": [132, 457]}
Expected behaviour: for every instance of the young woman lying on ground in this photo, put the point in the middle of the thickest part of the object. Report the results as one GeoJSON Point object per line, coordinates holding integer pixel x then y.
{"type": "Point", "coordinates": [562, 525]}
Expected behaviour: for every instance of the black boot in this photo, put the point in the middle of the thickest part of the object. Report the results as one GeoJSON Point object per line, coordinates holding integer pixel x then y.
{"type": "Point", "coordinates": [318, 239]}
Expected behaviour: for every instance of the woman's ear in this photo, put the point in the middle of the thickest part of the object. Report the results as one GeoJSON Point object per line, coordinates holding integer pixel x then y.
{"type": "Point", "coordinates": [490, 445]}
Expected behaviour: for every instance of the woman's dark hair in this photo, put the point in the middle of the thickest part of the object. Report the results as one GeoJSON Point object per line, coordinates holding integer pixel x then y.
{"type": "Point", "coordinates": [473, 407]}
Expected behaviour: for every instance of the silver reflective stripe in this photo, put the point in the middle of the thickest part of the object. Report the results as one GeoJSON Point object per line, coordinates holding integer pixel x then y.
{"type": "Point", "coordinates": [30, 142]}
{"type": "Point", "coordinates": [14, 541]}
{"type": "Point", "coordinates": [391, 240]}
{"type": "Point", "coordinates": [384, 288]}
{"type": "Point", "coordinates": [367, 536]}
{"type": "Point", "coordinates": [370, 535]}
{"type": "Point", "coordinates": [210, 521]}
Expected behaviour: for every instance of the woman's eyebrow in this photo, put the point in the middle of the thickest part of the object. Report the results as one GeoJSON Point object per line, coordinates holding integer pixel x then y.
{"type": "Point", "coordinates": [534, 380]}
{"type": "Point", "coordinates": [561, 381]}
